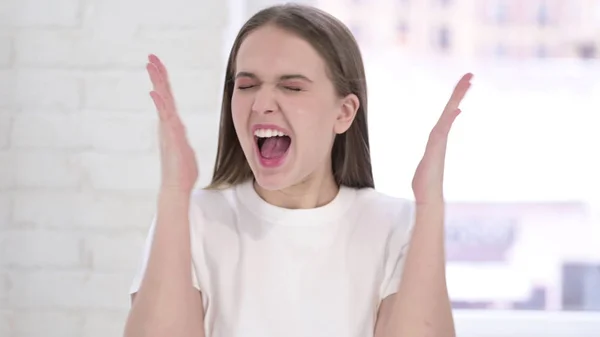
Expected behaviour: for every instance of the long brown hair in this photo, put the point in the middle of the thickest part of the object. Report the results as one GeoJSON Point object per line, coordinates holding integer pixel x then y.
{"type": "Point", "coordinates": [351, 159]}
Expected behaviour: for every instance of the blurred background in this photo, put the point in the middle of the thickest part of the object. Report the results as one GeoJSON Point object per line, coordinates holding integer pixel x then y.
{"type": "Point", "coordinates": [79, 165]}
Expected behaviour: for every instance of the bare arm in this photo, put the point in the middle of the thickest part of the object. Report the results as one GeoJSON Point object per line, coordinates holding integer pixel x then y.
{"type": "Point", "coordinates": [167, 304]}
{"type": "Point", "coordinates": [421, 306]}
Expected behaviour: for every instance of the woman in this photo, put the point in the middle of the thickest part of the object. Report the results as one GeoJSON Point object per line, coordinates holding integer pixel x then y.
{"type": "Point", "coordinates": [290, 238]}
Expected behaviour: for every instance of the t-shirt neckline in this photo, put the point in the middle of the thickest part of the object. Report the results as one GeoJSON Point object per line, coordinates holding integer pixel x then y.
{"type": "Point", "coordinates": [248, 196]}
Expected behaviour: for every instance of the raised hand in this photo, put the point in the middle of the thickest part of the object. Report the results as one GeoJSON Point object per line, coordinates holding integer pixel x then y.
{"type": "Point", "coordinates": [178, 161]}
{"type": "Point", "coordinates": [428, 181]}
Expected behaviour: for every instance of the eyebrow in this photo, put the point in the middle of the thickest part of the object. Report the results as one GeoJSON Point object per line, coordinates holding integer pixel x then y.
{"type": "Point", "coordinates": [281, 78]}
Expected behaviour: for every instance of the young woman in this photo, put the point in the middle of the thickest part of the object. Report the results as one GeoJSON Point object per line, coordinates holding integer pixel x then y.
{"type": "Point", "coordinates": [290, 238]}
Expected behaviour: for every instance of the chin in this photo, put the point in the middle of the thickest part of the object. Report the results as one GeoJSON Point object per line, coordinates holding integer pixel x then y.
{"type": "Point", "coordinates": [271, 181]}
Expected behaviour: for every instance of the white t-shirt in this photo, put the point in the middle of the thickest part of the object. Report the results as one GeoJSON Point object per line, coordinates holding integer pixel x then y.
{"type": "Point", "coordinates": [266, 271]}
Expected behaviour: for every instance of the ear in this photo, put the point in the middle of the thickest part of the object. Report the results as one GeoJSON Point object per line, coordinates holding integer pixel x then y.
{"type": "Point", "coordinates": [348, 108]}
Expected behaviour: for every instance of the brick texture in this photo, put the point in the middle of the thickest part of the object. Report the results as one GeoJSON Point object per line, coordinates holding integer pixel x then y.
{"type": "Point", "coordinates": [78, 150]}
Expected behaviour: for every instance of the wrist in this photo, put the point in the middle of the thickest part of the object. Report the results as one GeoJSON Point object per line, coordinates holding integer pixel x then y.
{"type": "Point", "coordinates": [171, 196]}
{"type": "Point", "coordinates": [431, 212]}
{"type": "Point", "coordinates": [431, 204]}
{"type": "Point", "coordinates": [175, 190]}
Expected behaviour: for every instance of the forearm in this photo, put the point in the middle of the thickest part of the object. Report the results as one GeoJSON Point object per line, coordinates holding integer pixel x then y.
{"type": "Point", "coordinates": [422, 307]}
{"type": "Point", "coordinates": [167, 303]}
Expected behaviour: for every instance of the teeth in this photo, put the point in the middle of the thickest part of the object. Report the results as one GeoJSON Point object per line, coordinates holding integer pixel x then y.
{"type": "Point", "coordinates": [266, 133]}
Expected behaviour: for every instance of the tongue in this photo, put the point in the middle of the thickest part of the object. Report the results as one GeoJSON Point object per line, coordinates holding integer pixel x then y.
{"type": "Point", "coordinates": [275, 147]}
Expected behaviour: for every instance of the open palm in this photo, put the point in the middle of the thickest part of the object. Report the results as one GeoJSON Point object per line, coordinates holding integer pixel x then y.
{"type": "Point", "coordinates": [178, 161]}
{"type": "Point", "coordinates": [428, 180]}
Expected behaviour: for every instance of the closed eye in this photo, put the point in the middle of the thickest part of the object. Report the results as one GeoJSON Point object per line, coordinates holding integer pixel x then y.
{"type": "Point", "coordinates": [286, 87]}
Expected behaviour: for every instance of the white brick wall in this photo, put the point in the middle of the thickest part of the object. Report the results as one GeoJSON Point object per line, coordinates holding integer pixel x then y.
{"type": "Point", "coordinates": [78, 160]}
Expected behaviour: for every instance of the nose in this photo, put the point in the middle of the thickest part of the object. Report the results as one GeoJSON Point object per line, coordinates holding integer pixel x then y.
{"type": "Point", "coordinates": [265, 100]}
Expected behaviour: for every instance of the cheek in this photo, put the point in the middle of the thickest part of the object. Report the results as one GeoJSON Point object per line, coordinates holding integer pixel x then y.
{"type": "Point", "coordinates": [313, 127]}
{"type": "Point", "coordinates": [317, 124]}
{"type": "Point", "coordinates": [240, 108]}
{"type": "Point", "coordinates": [311, 111]}
{"type": "Point", "coordinates": [311, 119]}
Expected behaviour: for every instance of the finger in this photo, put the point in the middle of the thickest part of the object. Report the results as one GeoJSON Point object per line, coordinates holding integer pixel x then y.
{"type": "Point", "coordinates": [451, 110]}
{"type": "Point", "coordinates": [459, 92]}
{"type": "Point", "coordinates": [160, 65]}
{"type": "Point", "coordinates": [161, 70]}
{"type": "Point", "coordinates": [155, 77]}
{"type": "Point", "coordinates": [159, 103]}
{"type": "Point", "coordinates": [435, 151]}
{"type": "Point", "coordinates": [161, 87]}
{"type": "Point", "coordinates": [158, 81]}
{"type": "Point", "coordinates": [163, 82]}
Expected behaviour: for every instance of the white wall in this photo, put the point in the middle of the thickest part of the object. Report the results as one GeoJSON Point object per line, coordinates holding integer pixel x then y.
{"type": "Point", "coordinates": [78, 161]}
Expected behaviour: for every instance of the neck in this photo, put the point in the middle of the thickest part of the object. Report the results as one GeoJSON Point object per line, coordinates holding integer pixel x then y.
{"type": "Point", "coordinates": [310, 193]}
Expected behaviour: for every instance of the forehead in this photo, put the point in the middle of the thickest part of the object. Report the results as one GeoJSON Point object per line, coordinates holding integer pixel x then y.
{"type": "Point", "coordinates": [272, 51]}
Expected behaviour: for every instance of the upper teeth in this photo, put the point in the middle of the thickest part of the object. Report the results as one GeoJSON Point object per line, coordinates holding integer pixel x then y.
{"type": "Point", "coordinates": [266, 133]}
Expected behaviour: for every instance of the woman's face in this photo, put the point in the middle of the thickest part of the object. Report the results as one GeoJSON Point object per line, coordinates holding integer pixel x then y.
{"type": "Point", "coordinates": [285, 108]}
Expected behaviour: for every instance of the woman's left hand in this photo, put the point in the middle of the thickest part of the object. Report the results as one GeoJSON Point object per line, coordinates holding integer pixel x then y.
{"type": "Point", "coordinates": [428, 181]}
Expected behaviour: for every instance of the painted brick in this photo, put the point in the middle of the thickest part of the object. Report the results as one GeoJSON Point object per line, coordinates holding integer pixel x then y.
{"type": "Point", "coordinates": [36, 89]}
{"type": "Point", "coordinates": [5, 127]}
{"type": "Point", "coordinates": [102, 132]}
{"type": "Point", "coordinates": [67, 48]}
{"type": "Point", "coordinates": [48, 323]}
{"type": "Point", "coordinates": [121, 131]}
{"type": "Point", "coordinates": [51, 131]}
{"type": "Point", "coordinates": [118, 91]}
{"type": "Point", "coordinates": [47, 169]}
{"type": "Point", "coordinates": [6, 201]}
{"type": "Point", "coordinates": [129, 90]}
{"type": "Point", "coordinates": [202, 130]}
{"type": "Point", "coordinates": [6, 49]}
{"type": "Point", "coordinates": [35, 248]}
{"type": "Point", "coordinates": [104, 323]}
{"type": "Point", "coordinates": [78, 210]}
{"type": "Point", "coordinates": [79, 164]}
{"type": "Point", "coordinates": [33, 13]}
{"type": "Point", "coordinates": [55, 289]}
{"type": "Point", "coordinates": [122, 172]}
{"type": "Point", "coordinates": [7, 169]}
{"type": "Point", "coordinates": [194, 93]}
{"type": "Point", "coordinates": [8, 77]}
{"type": "Point", "coordinates": [158, 13]}
{"type": "Point", "coordinates": [6, 322]}
{"type": "Point", "coordinates": [5, 287]}
{"type": "Point", "coordinates": [104, 250]}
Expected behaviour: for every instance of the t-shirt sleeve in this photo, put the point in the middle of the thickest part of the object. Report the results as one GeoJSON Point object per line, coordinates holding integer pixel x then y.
{"type": "Point", "coordinates": [397, 247]}
{"type": "Point", "coordinates": [139, 275]}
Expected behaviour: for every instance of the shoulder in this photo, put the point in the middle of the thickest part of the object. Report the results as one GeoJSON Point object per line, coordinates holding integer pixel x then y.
{"type": "Point", "coordinates": [382, 216]}
{"type": "Point", "coordinates": [212, 204]}
{"type": "Point", "coordinates": [211, 197]}
{"type": "Point", "coordinates": [382, 208]}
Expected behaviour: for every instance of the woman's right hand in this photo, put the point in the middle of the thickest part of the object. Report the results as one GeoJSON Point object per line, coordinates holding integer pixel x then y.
{"type": "Point", "coordinates": [177, 158]}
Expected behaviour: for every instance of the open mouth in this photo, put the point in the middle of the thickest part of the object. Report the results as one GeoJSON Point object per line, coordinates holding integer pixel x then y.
{"type": "Point", "coordinates": [272, 144]}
